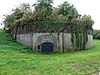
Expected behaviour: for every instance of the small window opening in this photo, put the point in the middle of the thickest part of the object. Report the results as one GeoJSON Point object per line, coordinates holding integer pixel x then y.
{"type": "Point", "coordinates": [38, 46]}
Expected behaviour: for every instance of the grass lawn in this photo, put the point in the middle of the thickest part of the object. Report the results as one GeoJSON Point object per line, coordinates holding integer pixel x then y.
{"type": "Point", "coordinates": [16, 59]}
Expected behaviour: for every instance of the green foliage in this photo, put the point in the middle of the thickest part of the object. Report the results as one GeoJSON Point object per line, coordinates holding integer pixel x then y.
{"type": "Point", "coordinates": [44, 3]}
{"type": "Point", "coordinates": [88, 20]}
{"type": "Point", "coordinates": [72, 37]}
{"type": "Point", "coordinates": [77, 37]}
{"type": "Point", "coordinates": [96, 34]}
{"type": "Point", "coordinates": [45, 18]}
{"type": "Point", "coordinates": [44, 11]}
{"type": "Point", "coordinates": [20, 14]}
{"type": "Point", "coordinates": [80, 29]}
{"type": "Point", "coordinates": [85, 38]}
{"type": "Point", "coordinates": [16, 59]}
{"type": "Point", "coordinates": [68, 10]}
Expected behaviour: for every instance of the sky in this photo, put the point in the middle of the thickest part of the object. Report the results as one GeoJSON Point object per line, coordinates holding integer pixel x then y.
{"type": "Point", "coordinates": [88, 7]}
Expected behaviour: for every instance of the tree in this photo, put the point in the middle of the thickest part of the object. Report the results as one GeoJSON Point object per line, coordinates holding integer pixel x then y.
{"type": "Point", "coordinates": [88, 20]}
{"type": "Point", "coordinates": [68, 10]}
{"type": "Point", "coordinates": [21, 12]}
{"type": "Point", "coordinates": [96, 34]}
{"type": "Point", "coordinates": [43, 9]}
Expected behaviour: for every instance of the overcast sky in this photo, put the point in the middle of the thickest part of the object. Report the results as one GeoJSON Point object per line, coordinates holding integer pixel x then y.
{"type": "Point", "coordinates": [88, 7]}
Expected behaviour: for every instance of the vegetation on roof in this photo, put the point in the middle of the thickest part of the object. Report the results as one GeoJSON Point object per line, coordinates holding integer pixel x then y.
{"type": "Point", "coordinates": [44, 11]}
{"type": "Point", "coordinates": [46, 18]}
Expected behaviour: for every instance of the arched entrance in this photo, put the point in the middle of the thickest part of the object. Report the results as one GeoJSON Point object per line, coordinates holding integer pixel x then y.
{"type": "Point", "coordinates": [47, 48]}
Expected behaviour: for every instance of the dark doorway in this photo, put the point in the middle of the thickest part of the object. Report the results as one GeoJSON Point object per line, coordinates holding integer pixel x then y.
{"type": "Point", "coordinates": [47, 48]}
